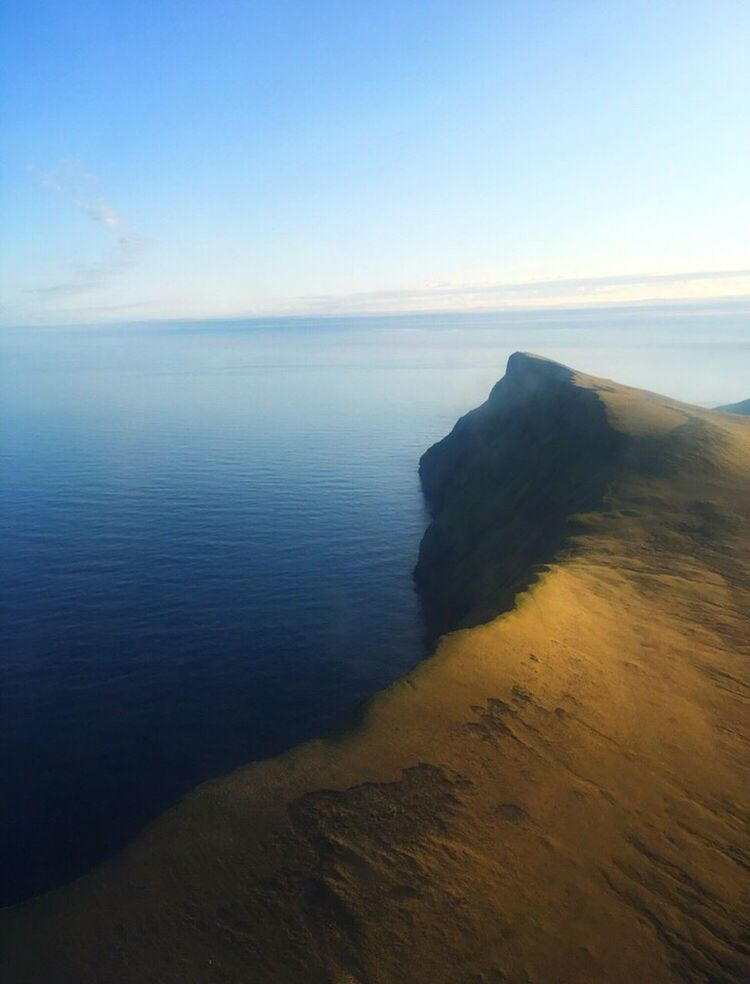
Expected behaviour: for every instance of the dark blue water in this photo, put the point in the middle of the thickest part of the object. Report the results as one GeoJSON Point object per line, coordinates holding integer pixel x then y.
{"type": "Point", "coordinates": [208, 533]}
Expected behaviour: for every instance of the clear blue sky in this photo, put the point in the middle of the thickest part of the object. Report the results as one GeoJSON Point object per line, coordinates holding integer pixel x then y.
{"type": "Point", "coordinates": [169, 158]}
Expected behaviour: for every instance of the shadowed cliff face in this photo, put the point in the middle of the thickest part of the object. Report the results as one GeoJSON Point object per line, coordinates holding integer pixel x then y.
{"type": "Point", "coordinates": [502, 488]}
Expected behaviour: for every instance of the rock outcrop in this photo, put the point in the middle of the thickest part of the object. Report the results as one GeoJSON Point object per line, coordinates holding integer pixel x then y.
{"type": "Point", "coordinates": [503, 487]}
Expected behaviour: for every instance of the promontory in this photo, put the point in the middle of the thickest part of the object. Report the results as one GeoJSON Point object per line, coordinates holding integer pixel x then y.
{"type": "Point", "coordinates": [559, 793]}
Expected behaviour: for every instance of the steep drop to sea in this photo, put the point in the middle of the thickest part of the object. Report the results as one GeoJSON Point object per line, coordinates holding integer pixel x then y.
{"type": "Point", "coordinates": [557, 794]}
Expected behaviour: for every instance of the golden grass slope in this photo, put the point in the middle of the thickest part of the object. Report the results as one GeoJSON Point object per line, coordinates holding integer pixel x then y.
{"type": "Point", "coordinates": [558, 795]}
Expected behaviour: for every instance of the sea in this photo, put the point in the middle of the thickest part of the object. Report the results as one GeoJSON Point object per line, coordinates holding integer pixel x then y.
{"type": "Point", "coordinates": [208, 531]}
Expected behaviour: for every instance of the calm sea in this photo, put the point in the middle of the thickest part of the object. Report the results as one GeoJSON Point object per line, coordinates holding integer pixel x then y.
{"type": "Point", "coordinates": [208, 532]}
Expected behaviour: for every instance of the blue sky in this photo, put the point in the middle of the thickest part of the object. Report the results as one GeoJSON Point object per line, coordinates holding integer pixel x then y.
{"type": "Point", "coordinates": [172, 159]}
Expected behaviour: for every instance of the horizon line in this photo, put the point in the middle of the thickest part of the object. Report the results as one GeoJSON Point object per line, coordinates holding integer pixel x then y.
{"type": "Point", "coordinates": [555, 293]}
{"type": "Point", "coordinates": [681, 305]}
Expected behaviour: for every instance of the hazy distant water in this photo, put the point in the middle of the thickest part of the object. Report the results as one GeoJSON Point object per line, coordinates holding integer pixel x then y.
{"type": "Point", "coordinates": [208, 533]}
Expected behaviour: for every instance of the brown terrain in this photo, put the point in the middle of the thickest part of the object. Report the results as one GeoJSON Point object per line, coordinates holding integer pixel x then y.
{"type": "Point", "coordinates": [559, 794]}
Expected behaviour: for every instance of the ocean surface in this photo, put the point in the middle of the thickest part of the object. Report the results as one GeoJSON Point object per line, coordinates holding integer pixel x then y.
{"type": "Point", "coordinates": [208, 532]}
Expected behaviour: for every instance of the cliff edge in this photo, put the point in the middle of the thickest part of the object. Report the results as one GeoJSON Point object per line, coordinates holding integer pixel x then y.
{"type": "Point", "coordinates": [558, 794]}
{"type": "Point", "coordinates": [503, 487]}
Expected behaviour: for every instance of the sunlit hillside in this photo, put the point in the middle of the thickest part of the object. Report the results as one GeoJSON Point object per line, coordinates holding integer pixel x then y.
{"type": "Point", "coordinates": [559, 794]}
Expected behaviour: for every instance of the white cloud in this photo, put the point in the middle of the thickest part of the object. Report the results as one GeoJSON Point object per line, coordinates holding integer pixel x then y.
{"type": "Point", "coordinates": [101, 212]}
{"type": "Point", "coordinates": [81, 189]}
{"type": "Point", "coordinates": [555, 292]}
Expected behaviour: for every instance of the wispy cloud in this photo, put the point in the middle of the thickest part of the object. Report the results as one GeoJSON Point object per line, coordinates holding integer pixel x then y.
{"type": "Point", "coordinates": [101, 212]}
{"type": "Point", "coordinates": [74, 184]}
{"type": "Point", "coordinates": [80, 189]}
{"type": "Point", "coordinates": [560, 291]}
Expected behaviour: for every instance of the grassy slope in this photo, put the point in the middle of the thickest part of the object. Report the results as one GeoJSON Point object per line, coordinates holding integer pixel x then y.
{"type": "Point", "coordinates": [557, 795]}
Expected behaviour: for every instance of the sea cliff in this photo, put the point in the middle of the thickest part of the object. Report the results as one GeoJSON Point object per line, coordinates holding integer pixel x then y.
{"type": "Point", "coordinates": [557, 794]}
{"type": "Point", "coordinates": [503, 488]}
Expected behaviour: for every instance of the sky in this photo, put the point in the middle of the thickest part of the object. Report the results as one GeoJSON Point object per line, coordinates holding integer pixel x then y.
{"type": "Point", "coordinates": [175, 158]}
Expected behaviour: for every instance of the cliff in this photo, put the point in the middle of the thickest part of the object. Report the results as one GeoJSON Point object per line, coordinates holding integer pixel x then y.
{"type": "Point", "coordinates": [503, 487]}
{"type": "Point", "coordinates": [557, 794]}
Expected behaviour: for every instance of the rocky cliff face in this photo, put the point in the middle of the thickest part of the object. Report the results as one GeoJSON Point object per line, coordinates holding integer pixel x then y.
{"type": "Point", "coordinates": [502, 488]}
